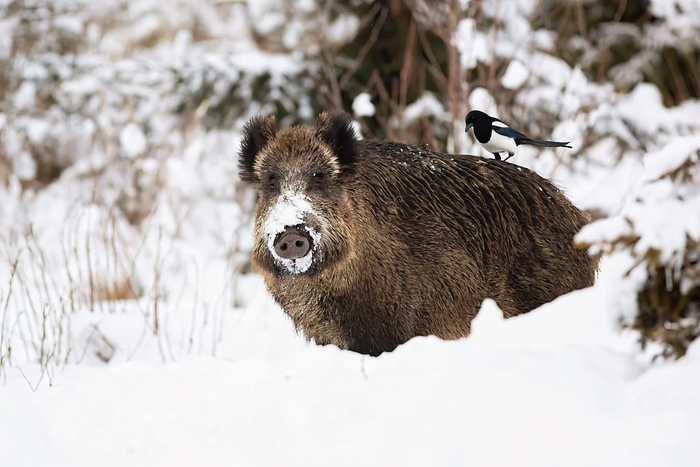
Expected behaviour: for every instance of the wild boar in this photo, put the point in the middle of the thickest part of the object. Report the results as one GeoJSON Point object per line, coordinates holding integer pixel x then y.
{"type": "Point", "coordinates": [366, 244]}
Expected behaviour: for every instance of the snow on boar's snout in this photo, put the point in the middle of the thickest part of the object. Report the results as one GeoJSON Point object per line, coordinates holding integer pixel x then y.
{"type": "Point", "coordinates": [367, 244]}
{"type": "Point", "coordinates": [290, 239]}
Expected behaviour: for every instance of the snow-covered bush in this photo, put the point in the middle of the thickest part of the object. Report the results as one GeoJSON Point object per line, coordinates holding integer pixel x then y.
{"type": "Point", "coordinates": [119, 124]}
{"type": "Point", "coordinates": [657, 226]}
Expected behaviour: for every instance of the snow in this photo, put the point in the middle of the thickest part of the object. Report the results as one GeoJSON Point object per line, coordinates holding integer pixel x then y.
{"type": "Point", "coordinates": [130, 334]}
{"type": "Point", "coordinates": [552, 70]}
{"type": "Point", "coordinates": [132, 140]}
{"type": "Point", "coordinates": [343, 29]}
{"type": "Point", "coordinates": [471, 44]}
{"type": "Point", "coordinates": [479, 99]}
{"type": "Point", "coordinates": [646, 99]}
{"type": "Point", "coordinates": [362, 105]}
{"type": "Point", "coordinates": [425, 106]}
{"type": "Point", "coordinates": [6, 29]}
{"type": "Point", "coordinates": [515, 76]}
{"type": "Point", "coordinates": [37, 130]}
{"type": "Point", "coordinates": [671, 157]}
{"type": "Point", "coordinates": [290, 210]}
{"type": "Point", "coordinates": [661, 214]}
{"type": "Point", "coordinates": [673, 9]}
{"type": "Point", "coordinates": [543, 389]}
{"type": "Point", "coordinates": [26, 96]}
{"type": "Point", "coordinates": [544, 40]}
{"type": "Point", "coordinates": [69, 23]}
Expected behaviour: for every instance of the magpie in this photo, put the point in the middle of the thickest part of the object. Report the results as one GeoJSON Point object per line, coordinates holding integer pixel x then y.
{"type": "Point", "coordinates": [496, 137]}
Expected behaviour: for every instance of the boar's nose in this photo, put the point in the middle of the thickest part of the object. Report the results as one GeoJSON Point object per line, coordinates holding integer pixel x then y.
{"type": "Point", "coordinates": [292, 244]}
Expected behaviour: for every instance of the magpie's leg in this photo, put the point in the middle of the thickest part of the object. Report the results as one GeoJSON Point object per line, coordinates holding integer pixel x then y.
{"type": "Point", "coordinates": [496, 155]}
{"type": "Point", "coordinates": [510, 154]}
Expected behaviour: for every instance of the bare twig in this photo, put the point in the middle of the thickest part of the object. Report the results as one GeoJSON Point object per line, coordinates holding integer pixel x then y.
{"type": "Point", "coordinates": [435, 68]}
{"type": "Point", "coordinates": [425, 16]}
{"type": "Point", "coordinates": [374, 34]}
{"type": "Point", "coordinates": [581, 21]}
{"type": "Point", "coordinates": [456, 86]}
{"type": "Point", "coordinates": [33, 388]}
{"type": "Point", "coordinates": [620, 11]}
{"type": "Point", "coordinates": [406, 71]}
{"type": "Point", "coordinates": [694, 68]}
{"type": "Point", "coordinates": [42, 343]}
{"type": "Point", "coordinates": [156, 290]}
{"type": "Point", "coordinates": [329, 67]}
{"type": "Point", "coordinates": [90, 276]}
{"type": "Point", "coordinates": [681, 93]}
{"type": "Point", "coordinates": [194, 306]}
{"type": "Point", "coordinates": [454, 71]}
{"type": "Point", "coordinates": [385, 100]}
{"type": "Point", "coordinates": [491, 80]}
{"type": "Point", "coordinates": [4, 310]}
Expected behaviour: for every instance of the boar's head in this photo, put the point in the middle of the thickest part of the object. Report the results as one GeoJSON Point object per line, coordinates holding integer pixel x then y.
{"type": "Point", "coordinates": [303, 178]}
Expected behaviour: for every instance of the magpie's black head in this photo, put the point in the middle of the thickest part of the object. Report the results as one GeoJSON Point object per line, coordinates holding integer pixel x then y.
{"type": "Point", "coordinates": [478, 118]}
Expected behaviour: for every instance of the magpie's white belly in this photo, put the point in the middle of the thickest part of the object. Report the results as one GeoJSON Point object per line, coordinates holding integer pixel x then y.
{"type": "Point", "coordinates": [500, 143]}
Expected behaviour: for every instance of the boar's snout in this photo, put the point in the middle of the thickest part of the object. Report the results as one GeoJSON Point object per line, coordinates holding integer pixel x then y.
{"type": "Point", "coordinates": [292, 243]}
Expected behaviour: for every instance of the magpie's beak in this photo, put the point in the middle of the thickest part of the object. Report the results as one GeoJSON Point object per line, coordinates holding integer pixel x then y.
{"type": "Point", "coordinates": [466, 128]}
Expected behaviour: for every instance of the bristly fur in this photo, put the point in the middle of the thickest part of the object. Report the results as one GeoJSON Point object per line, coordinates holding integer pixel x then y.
{"type": "Point", "coordinates": [412, 241]}
{"type": "Point", "coordinates": [257, 132]}
{"type": "Point", "coordinates": [337, 131]}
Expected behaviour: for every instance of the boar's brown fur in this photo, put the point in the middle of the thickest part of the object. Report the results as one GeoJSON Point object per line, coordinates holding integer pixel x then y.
{"type": "Point", "coordinates": [412, 241]}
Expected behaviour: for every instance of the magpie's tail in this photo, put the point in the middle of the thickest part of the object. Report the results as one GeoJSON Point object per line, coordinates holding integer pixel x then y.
{"type": "Point", "coordinates": [545, 144]}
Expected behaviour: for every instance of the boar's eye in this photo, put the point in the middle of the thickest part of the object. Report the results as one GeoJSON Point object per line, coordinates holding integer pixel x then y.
{"type": "Point", "coordinates": [317, 178]}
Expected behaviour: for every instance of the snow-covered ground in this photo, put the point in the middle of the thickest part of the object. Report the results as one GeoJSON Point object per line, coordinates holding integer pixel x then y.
{"type": "Point", "coordinates": [556, 387]}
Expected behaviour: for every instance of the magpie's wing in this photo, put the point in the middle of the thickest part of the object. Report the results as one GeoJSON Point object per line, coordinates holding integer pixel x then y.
{"type": "Point", "coordinates": [507, 131]}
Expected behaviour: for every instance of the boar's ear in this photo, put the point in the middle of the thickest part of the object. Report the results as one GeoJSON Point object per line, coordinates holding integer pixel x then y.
{"type": "Point", "coordinates": [257, 132]}
{"type": "Point", "coordinates": [337, 131]}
